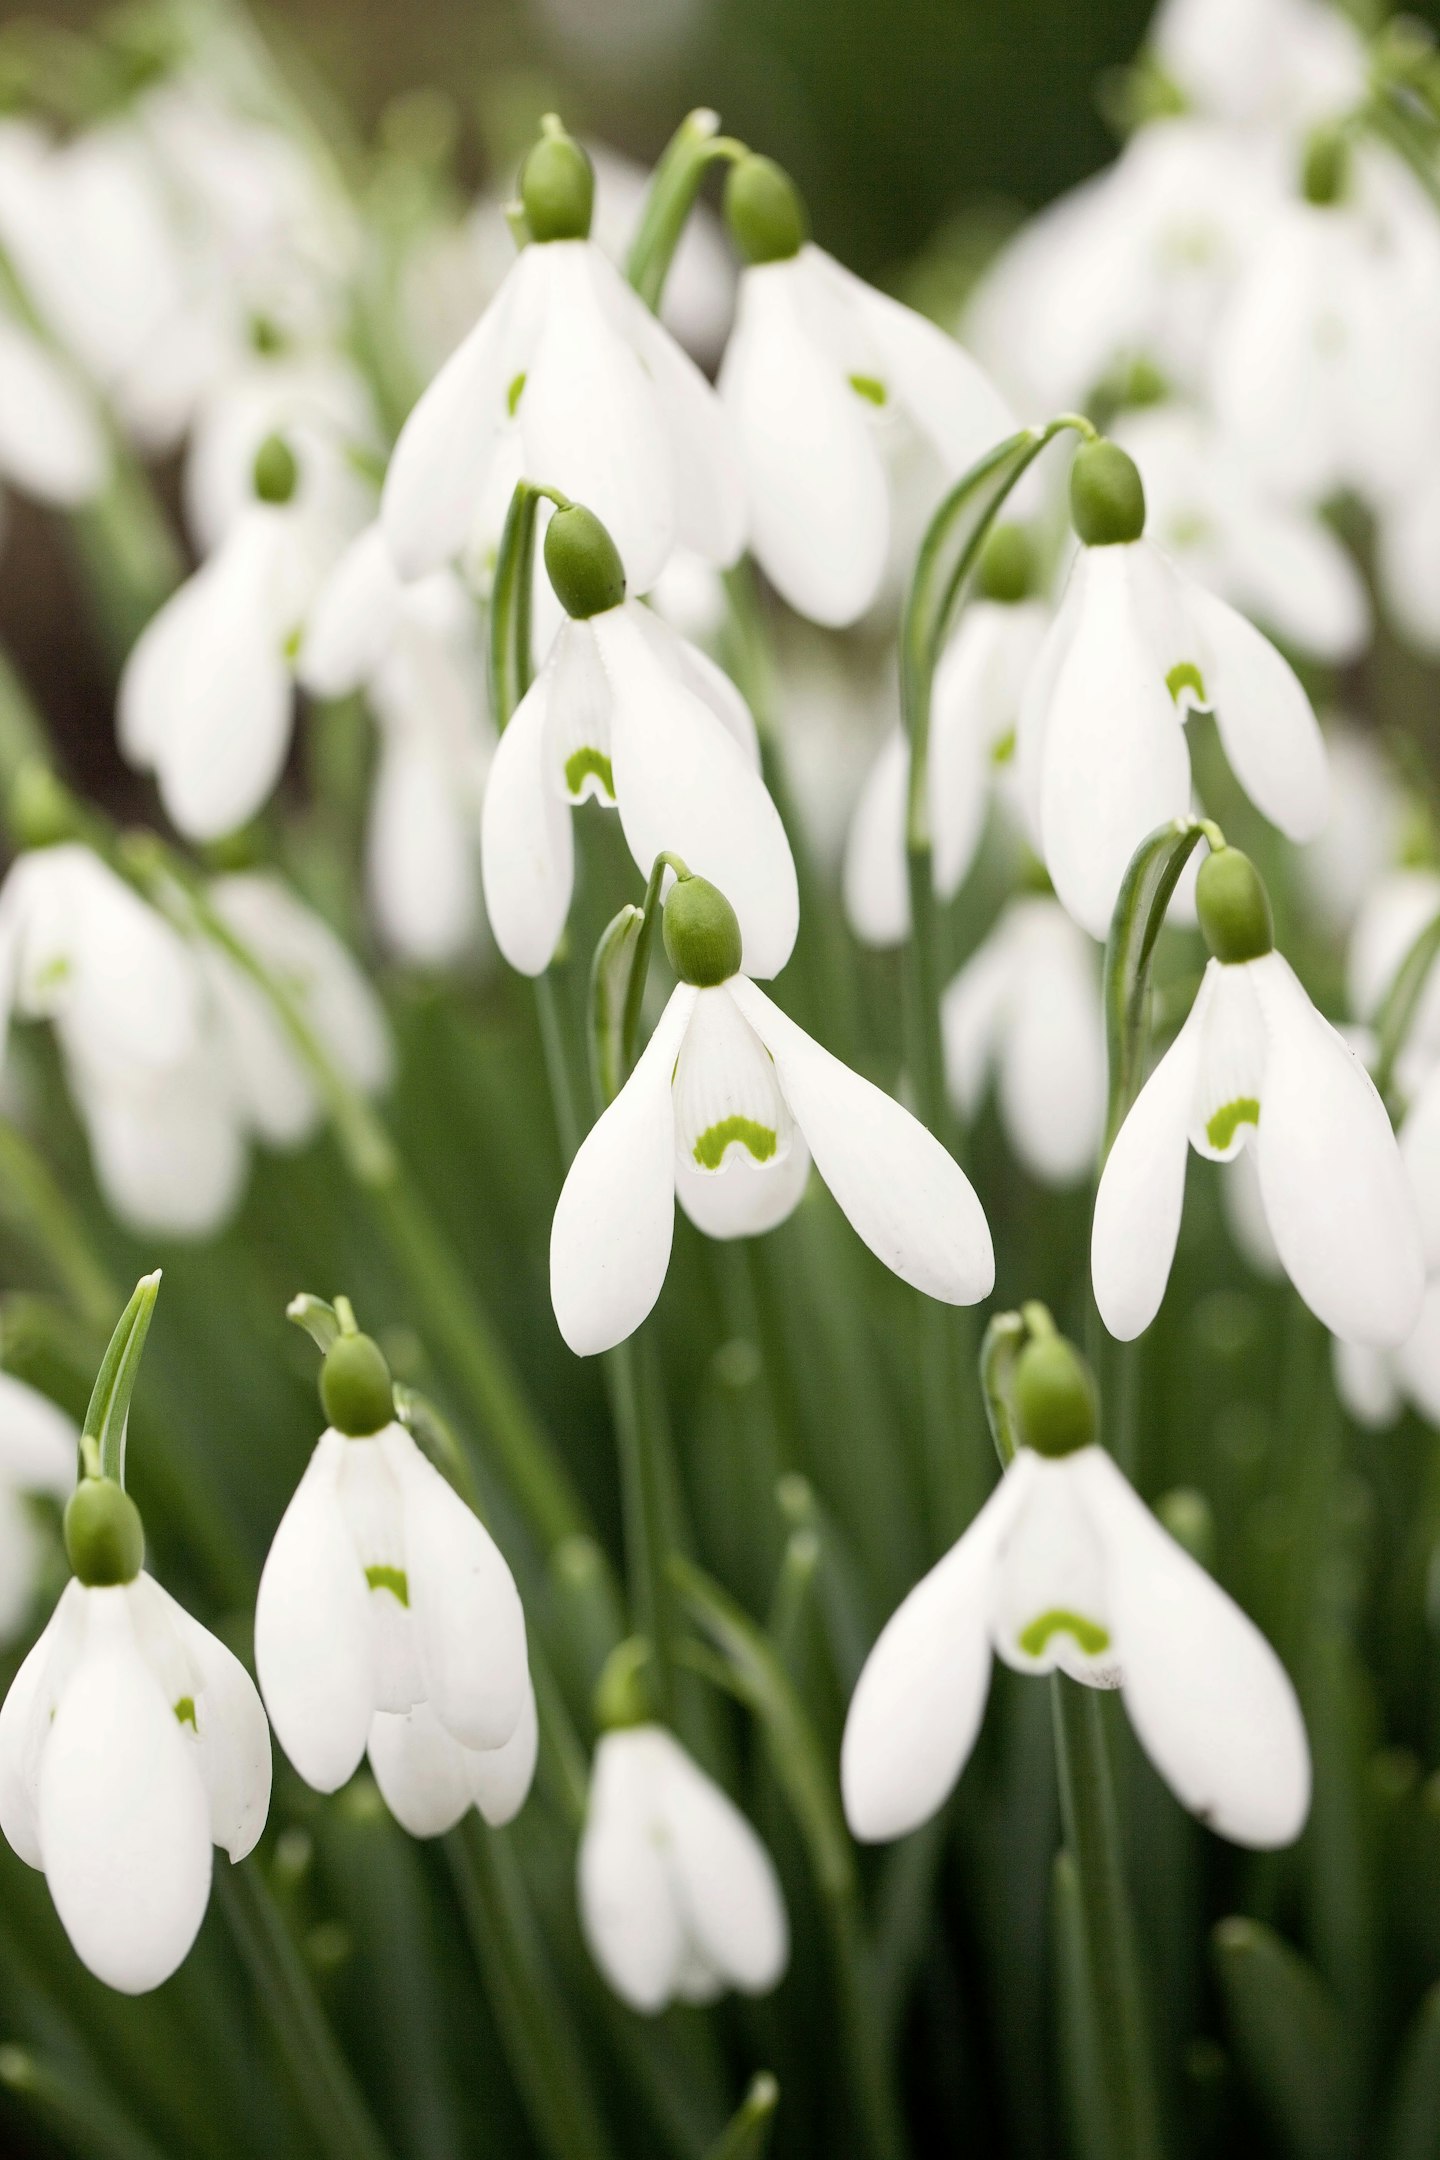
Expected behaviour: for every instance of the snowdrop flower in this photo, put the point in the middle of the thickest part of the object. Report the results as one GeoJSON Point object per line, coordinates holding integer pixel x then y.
{"type": "Point", "coordinates": [679, 1899]}
{"type": "Point", "coordinates": [1376, 1385]}
{"type": "Point", "coordinates": [823, 379]}
{"type": "Point", "coordinates": [387, 1619]}
{"type": "Point", "coordinates": [725, 1109]}
{"type": "Point", "coordinates": [1261, 63]}
{"type": "Point", "coordinates": [415, 651]}
{"type": "Point", "coordinates": [1027, 1007]}
{"type": "Point", "coordinates": [627, 712]}
{"type": "Point", "coordinates": [1364, 833]}
{"type": "Point", "coordinates": [207, 695]}
{"type": "Point", "coordinates": [1134, 648]}
{"type": "Point", "coordinates": [1278, 563]}
{"type": "Point", "coordinates": [131, 1741]}
{"type": "Point", "coordinates": [1255, 1063]}
{"type": "Point", "coordinates": [975, 708]}
{"type": "Point", "coordinates": [39, 1448]}
{"type": "Point", "coordinates": [1399, 905]}
{"type": "Point", "coordinates": [1065, 1569]}
{"type": "Point", "coordinates": [568, 365]}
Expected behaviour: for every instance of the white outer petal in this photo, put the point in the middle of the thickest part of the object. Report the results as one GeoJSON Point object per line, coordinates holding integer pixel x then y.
{"type": "Point", "coordinates": [725, 1881]}
{"type": "Point", "coordinates": [628, 1910]}
{"type": "Point", "coordinates": [122, 1814]}
{"type": "Point", "coordinates": [1336, 1196]}
{"type": "Point", "coordinates": [422, 854]}
{"type": "Point", "coordinates": [26, 1715]}
{"type": "Point", "coordinates": [615, 1219]}
{"type": "Point", "coordinates": [1270, 735]}
{"type": "Point", "coordinates": [1211, 1704]}
{"type": "Point", "coordinates": [947, 395]}
{"type": "Point", "coordinates": [1142, 1186]}
{"type": "Point", "coordinates": [354, 619]}
{"type": "Point", "coordinates": [920, 1697]}
{"type": "Point", "coordinates": [1366, 1384]}
{"type": "Point", "coordinates": [527, 850]}
{"type": "Point", "coordinates": [312, 1638]}
{"type": "Point", "coordinates": [232, 1739]}
{"type": "Point", "coordinates": [419, 1769]}
{"type": "Point", "coordinates": [500, 1778]}
{"type": "Point", "coordinates": [39, 1442]}
{"type": "Point", "coordinates": [51, 442]}
{"type": "Point", "coordinates": [1417, 1361]}
{"type": "Point", "coordinates": [1420, 1152]}
{"type": "Point", "coordinates": [875, 877]}
{"type": "Point", "coordinates": [1052, 1050]}
{"type": "Point", "coordinates": [904, 1195]}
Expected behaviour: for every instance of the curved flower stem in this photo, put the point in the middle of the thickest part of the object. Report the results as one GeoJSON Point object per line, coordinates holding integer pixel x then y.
{"type": "Point", "coordinates": [749, 1669]}
{"type": "Point", "coordinates": [339, 2118]}
{"type": "Point", "coordinates": [1140, 908]}
{"type": "Point", "coordinates": [108, 1417]}
{"type": "Point", "coordinates": [549, 2074]}
{"type": "Point", "coordinates": [674, 189]}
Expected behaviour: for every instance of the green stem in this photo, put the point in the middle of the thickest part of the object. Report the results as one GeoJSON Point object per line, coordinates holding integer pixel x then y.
{"type": "Point", "coordinates": [339, 2118]}
{"type": "Point", "coordinates": [32, 1204]}
{"type": "Point", "coordinates": [1112, 1973]}
{"type": "Point", "coordinates": [747, 2135]}
{"type": "Point", "coordinates": [695, 146]}
{"type": "Point", "coordinates": [642, 1499]}
{"type": "Point", "coordinates": [83, 2121]}
{"type": "Point", "coordinates": [563, 1092]}
{"type": "Point", "coordinates": [548, 2071]}
{"type": "Point", "coordinates": [1150, 879]}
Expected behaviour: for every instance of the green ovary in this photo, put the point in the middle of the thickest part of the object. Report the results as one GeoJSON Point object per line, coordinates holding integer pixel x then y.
{"type": "Point", "coordinates": [1091, 1637]}
{"type": "Point", "coordinates": [1186, 676]}
{"type": "Point", "coordinates": [583, 765]}
{"type": "Point", "coordinates": [393, 1579]}
{"type": "Point", "coordinates": [712, 1143]}
{"type": "Point", "coordinates": [1221, 1129]}
{"type": "Point", "coordinates": [870, 388]}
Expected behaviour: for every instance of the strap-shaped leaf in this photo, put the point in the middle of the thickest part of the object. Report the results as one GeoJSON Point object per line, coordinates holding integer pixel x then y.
{"type": "Point", "coordinates": [747, 2134]}
{"type": "Point", "coordinates": [1290, 2039]}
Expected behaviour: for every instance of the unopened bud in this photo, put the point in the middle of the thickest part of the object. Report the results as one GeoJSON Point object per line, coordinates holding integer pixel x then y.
{"type": "Point", "coordinates": [276, 472]}
{"type": "Point", "coordinates": [583, 563]}
{"type": "Point", "coordinates": [1233, 907]}
{"type": "Point", "coordinates": [702, 933]}
{"type": "Point", "coordinates": [1054, 1397]}
{"type": "Point", "coordinates": [764, 211]}
{"type": "Point", "coordinates": [1107, 498]}
{"type": "Point", "coordinates": [355, 1387]}
{"type": "Point", "coordinates": [557, 186]}
{"type": "Point", "coordinates": [104, 1536]}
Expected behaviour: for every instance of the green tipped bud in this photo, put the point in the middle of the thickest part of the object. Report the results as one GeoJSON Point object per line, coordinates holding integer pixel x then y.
{"type": "Point", "coordinates": [624, 1694]}
{"type": "Point", "coordinates": [764, 211]}
{"type": "Point", "coordinates": [104, 1536]}
{"type": "Point", "coordinates": [1054, 1397]}
{"type": "Point", "coordinates": [355, 1386]}
{"type": "Point", "coordinates": [41, 809]}
{"type": "Point", "coordinates": [702, 933]}
{"type": "Point", "coordinates": [1234, 907]}
{"type": "Point", "coordinates": [1007, 565]}
{"type": "Point", "coordinates": [1107, 499]}
{"type": "Point", "coordinates": [276, 472]}
{"type": "Point", "coordinates": [557, 186]}
{"type": "Point", "coordinates": [584, 563]}
{"type": "Point", "coordinates": [1325, 170]}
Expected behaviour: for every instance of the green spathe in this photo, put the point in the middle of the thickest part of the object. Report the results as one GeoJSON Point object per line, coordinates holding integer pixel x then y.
{"type": "Point", "coordinates": [702, 934]}
{"type": "Point", "coordinates": [764, 211]}
{"type": "Point", "coordinates": [1233, 907]}
{"type": "Point", "coordinates": [104, 1536]}
{"type": "Point", "coordinates": [1107, 496]}
{"type": "Point", "coordinates": [583, 563]}
{"type": "Point", "coordinates": [355, 1387]}
{"type": "Point", "coordinates": [276, 473]}
{"type": "Point", "coordinates": [1054, 1397]}
{"type": "Point", "coordinates": [557, 186]}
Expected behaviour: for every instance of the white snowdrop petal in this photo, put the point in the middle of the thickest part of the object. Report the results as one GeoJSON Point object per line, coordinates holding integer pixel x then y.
{"type": "Point", "coordinates": [169, 1154]}
{"type": "Point", "coordinates": [974, 1013]}
{"type": "Point", "coordinates": [1269, 732]}
{"type": "Point", "coordinates": [1142, 1186]}
{"type": "Point", "coordinates": [527, 850]}
{"type": "Point", "coordinates": [819, 503]}
{"type": "Point", "coordinates": [1292, 573]}
{"type": "Point", "coordinates": [919, 1700]}
{"type": "Point", "coordinates": [51, 441]}
{"type": "Point", "coordinates": [1229, 1085]}
{"type": "Point", "coordinates": [420, 1770]}
{"type": "Point", "coordinates": [700, 674]}
{"type": "Point", "coordinates": [744, 1198]}
{"type": "Point", "coordinates": [1336, 1195]}
{"type": "Point", "coordinates": [948, 395]}
{"type": "Point", "coordinates": [39, 1442]}
{"type": "Point", "coordinates": [25, 1548]}
{"type": "Point", "coordinates": [1052, 1054]}
{"type": "Point", "coordinates": [591, 419]}
{"type": "Point", "coordinates": [500, 1778]}
{"type": "Point", "coordinates": [466, 1607]}
{"type": "Point", "coordinates": [1420, 1153]}
{"type": "Point", "coordinates": [628, 1911]}
{"type": "Point", "coordinates": [123, 1820]}
{"type": "Point", "coordinates": [578, 742]}
{"type": "Point", "coordinates": [875, 876]}
{"type": "Point", "coordinates": [354, 619]}
{"type": "Point", "coordinates": [312, 1642]}
{"type": "Point", "coordinates": [1417, 1361]}
{"type": "Point", "coordinates": [301, 951]}
{"type": "Point", "coordinates": [1210, 1701]}
{"type": "Point", "coordinates": [903, 1194]}
{"type": "Point", "coordinates": [725, 1880]}
{"type": "Point", "coordinates": [610, 1240]}
{"type": "Point", "coordinates": [25, 1718]}
{"type": "Point", "coordinates": [422, 855]}
{"type": "Point", "coordinates": [683, 784]}
{"type": "Point", "coordinates": [968, 720]}
{"type": "Point", "coordinates": [231, 1738]}
{"type": "Point", "coordinates": [1049, 1603]}
{"type": "Point", "coordinates": [1366, 1384]}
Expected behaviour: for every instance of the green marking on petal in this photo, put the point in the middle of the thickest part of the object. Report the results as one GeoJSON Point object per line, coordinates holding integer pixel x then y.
{"type": "Point", "coordinates": [1186, 676]}
{"type": "Point", "coordinates": [1221, 1129]}
{"type": "Point", "coordinates": [583, 765]}
{"type": "Point", "coordinates": [393, 1579]}
{"type": "Point", "coordinates": [514, 394]}
{"type": "Point", "coordinates": [1003, 751]}
{"type": "Point", "coordinates": [185, 1711]}
{"type": "Point", "coordinates": [290, 650]}
{"type": "Point", "coordinates": [711, 1145]}
{"type": "Point", "coordinates": [53, 973]}
{"type": "Point", "coordinates": [1091, 1637]}
{"type": "Point", "coordinates": [870, 388]}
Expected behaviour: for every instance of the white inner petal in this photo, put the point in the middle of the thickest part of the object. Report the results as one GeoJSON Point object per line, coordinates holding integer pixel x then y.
{"type": "Point", "coordinates": [370, 1501]}
{"type": "Point", "coordinates": [727, 1099]}
{"type": "Point", "coordinates": [1051, 1608]}
{"type": "Point", "coordinates": [578, 720]}
{"type": "Point", "coordinates": [1232, 1064]}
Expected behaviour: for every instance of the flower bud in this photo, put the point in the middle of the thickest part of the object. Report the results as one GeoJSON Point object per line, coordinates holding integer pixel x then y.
{"type": "Point", "coordinates": [557, 186]}
{"type": "Point", "coordinates": [355, 1387]}
{"type": "Point", "coordinates": [1054, 1397]}
{"type": "Point", "coordinates": [623, 1694]}
{"type": "Point", "coordinates": [276, 472]}
{"type": "Point", "coordinates": [104, 1537]}
{"type": "Point", "coordinates": [583, 563]}
{"type": "Point", "coordinates": [764, 211]}
{"type": "Point", "coordinates": [1234, 907]}
{"type": "Point", "coordinates": [702, 933]}
{"type": "Point", "coordinates": [1107, 500]}
{"type": "Point", "coordinates": [1325, 171]}
{"type": "Point", "coordinates": [1007, 565]}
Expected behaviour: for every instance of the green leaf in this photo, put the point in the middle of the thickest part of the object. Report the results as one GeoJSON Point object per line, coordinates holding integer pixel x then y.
{"type": "Point", "coordinates": [82, 2118]}
{"type": "Point", "coordinates": [1081, 2069]}
{"type": "Point", "coordinates": [1289, 2039]}
{"type": "Point", "coordinates": [1412, 2130]}
{"type": "Point", "coordinates": [747, 2135]}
